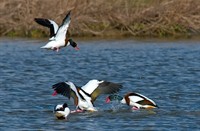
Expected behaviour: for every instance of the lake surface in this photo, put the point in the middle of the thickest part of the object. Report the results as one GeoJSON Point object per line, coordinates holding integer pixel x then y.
{"type": "Point", "coordinates": [167, 72]}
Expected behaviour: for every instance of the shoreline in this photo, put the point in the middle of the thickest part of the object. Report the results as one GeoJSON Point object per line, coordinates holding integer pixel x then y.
{"type": "Point", "coordinates": [193, 38]}
{"type": "Point", "coordinates": [122, 18]}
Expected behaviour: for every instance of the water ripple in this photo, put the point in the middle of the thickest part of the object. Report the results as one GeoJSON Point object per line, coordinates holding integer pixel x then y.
{"type": "Point", "coordinates": [166, 72]}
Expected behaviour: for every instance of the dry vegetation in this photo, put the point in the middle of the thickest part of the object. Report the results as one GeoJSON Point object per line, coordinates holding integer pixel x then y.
{"type": "Point", "coordinates": [157, 18]}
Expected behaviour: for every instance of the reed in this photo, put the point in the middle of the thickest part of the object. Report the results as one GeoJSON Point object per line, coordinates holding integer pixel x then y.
{"type": "Point", "coordinates": [151, 18]}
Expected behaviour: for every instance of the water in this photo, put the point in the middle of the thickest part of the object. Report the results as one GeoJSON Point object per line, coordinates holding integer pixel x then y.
{"type": "Point", "coordinates": [166, 72]}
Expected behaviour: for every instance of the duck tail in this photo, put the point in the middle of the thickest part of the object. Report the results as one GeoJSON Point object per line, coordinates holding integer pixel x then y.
{"type": "Point", "coordinates": [43, 47]}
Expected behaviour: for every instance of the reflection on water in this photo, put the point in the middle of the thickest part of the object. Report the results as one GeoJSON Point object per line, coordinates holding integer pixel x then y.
{"type": "Point", "coordinates": [166, 72]}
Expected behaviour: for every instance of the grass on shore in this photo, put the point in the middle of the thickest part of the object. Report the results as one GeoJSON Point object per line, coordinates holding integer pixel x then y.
{"type": "Point", "coordinates": [143, 18]}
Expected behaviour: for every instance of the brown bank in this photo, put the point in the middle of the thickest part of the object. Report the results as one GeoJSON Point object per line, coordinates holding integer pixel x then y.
{"type": "Point", "coordinates": [107, 18]}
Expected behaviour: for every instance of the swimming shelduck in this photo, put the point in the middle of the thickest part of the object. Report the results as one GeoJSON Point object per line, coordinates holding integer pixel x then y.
{"type": "Point", "coordinates": [85, 96]}
{"type": "Point", "coordinates": [136, 100]}
{"type": "Point", "coordinates": [62, 111]}
{"type": "Point", "coordinates": [57, 34]}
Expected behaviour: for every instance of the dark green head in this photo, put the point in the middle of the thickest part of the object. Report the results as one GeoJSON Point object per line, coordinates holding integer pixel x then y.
{"type": "Point", "coordinates": [73, 44]}
{"type": "Point", "coordinates": [65, 105]}
{"type": "Point", "coordinates": [113, 97]}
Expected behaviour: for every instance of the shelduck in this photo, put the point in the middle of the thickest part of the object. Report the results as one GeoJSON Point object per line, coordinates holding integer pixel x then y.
{"type": "Point", "coordinates": [85, 96]}
{"type": "Point", "coordinates": [58, 37]}
{"type": "Point", "coordinates": [136, 100]}
{"type": "Point", "coordinates": [61, 111]}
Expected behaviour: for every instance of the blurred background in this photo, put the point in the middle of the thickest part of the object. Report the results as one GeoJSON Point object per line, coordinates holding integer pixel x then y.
{"type": "Point", "coordinates": [145, 18]}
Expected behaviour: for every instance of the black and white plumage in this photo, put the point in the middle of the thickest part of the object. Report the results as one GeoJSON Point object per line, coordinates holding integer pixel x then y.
{"type": "Point", "coordinates": [57, 34]}
{"type": "Point", "coordinates": [136, 100]}
{"type": "Point", "coordinates": [85, 96]}
{"type": "Point", "coordinates": [61, 111]}
{"type": "Point", "coordinates": [50, 24]}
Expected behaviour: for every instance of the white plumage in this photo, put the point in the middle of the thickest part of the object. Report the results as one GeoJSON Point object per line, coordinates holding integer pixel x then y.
{"type": "Point", "coordinates": [61, 111]}
{"type": "Point", "coordinates": [57, 34]}
{"type": "Point", "coordinates": [85, 96]}
{"type": "Point", "coordinates": [136, 100]}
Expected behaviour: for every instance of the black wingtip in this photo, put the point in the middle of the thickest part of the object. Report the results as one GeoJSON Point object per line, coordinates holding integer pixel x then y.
{"type": "Point", "coordinates": [67, 17]}
{"type": "Point", "coordinates": [42, 21]}
{"type": "Point", "coordinates": [36, 19]}
{"type": "Point", "coordinates": [69, 13]}
{"type": "Point", "coordinates": [62, 88]}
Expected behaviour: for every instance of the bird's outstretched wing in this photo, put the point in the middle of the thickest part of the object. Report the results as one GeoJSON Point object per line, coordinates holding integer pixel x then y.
{"type": "Point", "coordinates": [48, 23]}
{"type": "Point", "coordinates": [65, 90]}
{"type": "Point", "coordinates": [96, 87]}
{"type": "Point", "coordinates": [62, 88]}
{"type": "Point", "coordinates": [62, 30]}
{"type": "Point", "coordinates": [141, 99]}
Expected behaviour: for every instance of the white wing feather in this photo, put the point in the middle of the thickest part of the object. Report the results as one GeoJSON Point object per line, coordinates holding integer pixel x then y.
{"type": "Point", "coordinates": [62, 30]}
{"type": "Point", "coordinates": [91, 86]}
{"type": "Point", "coordinates": [55, 26]}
